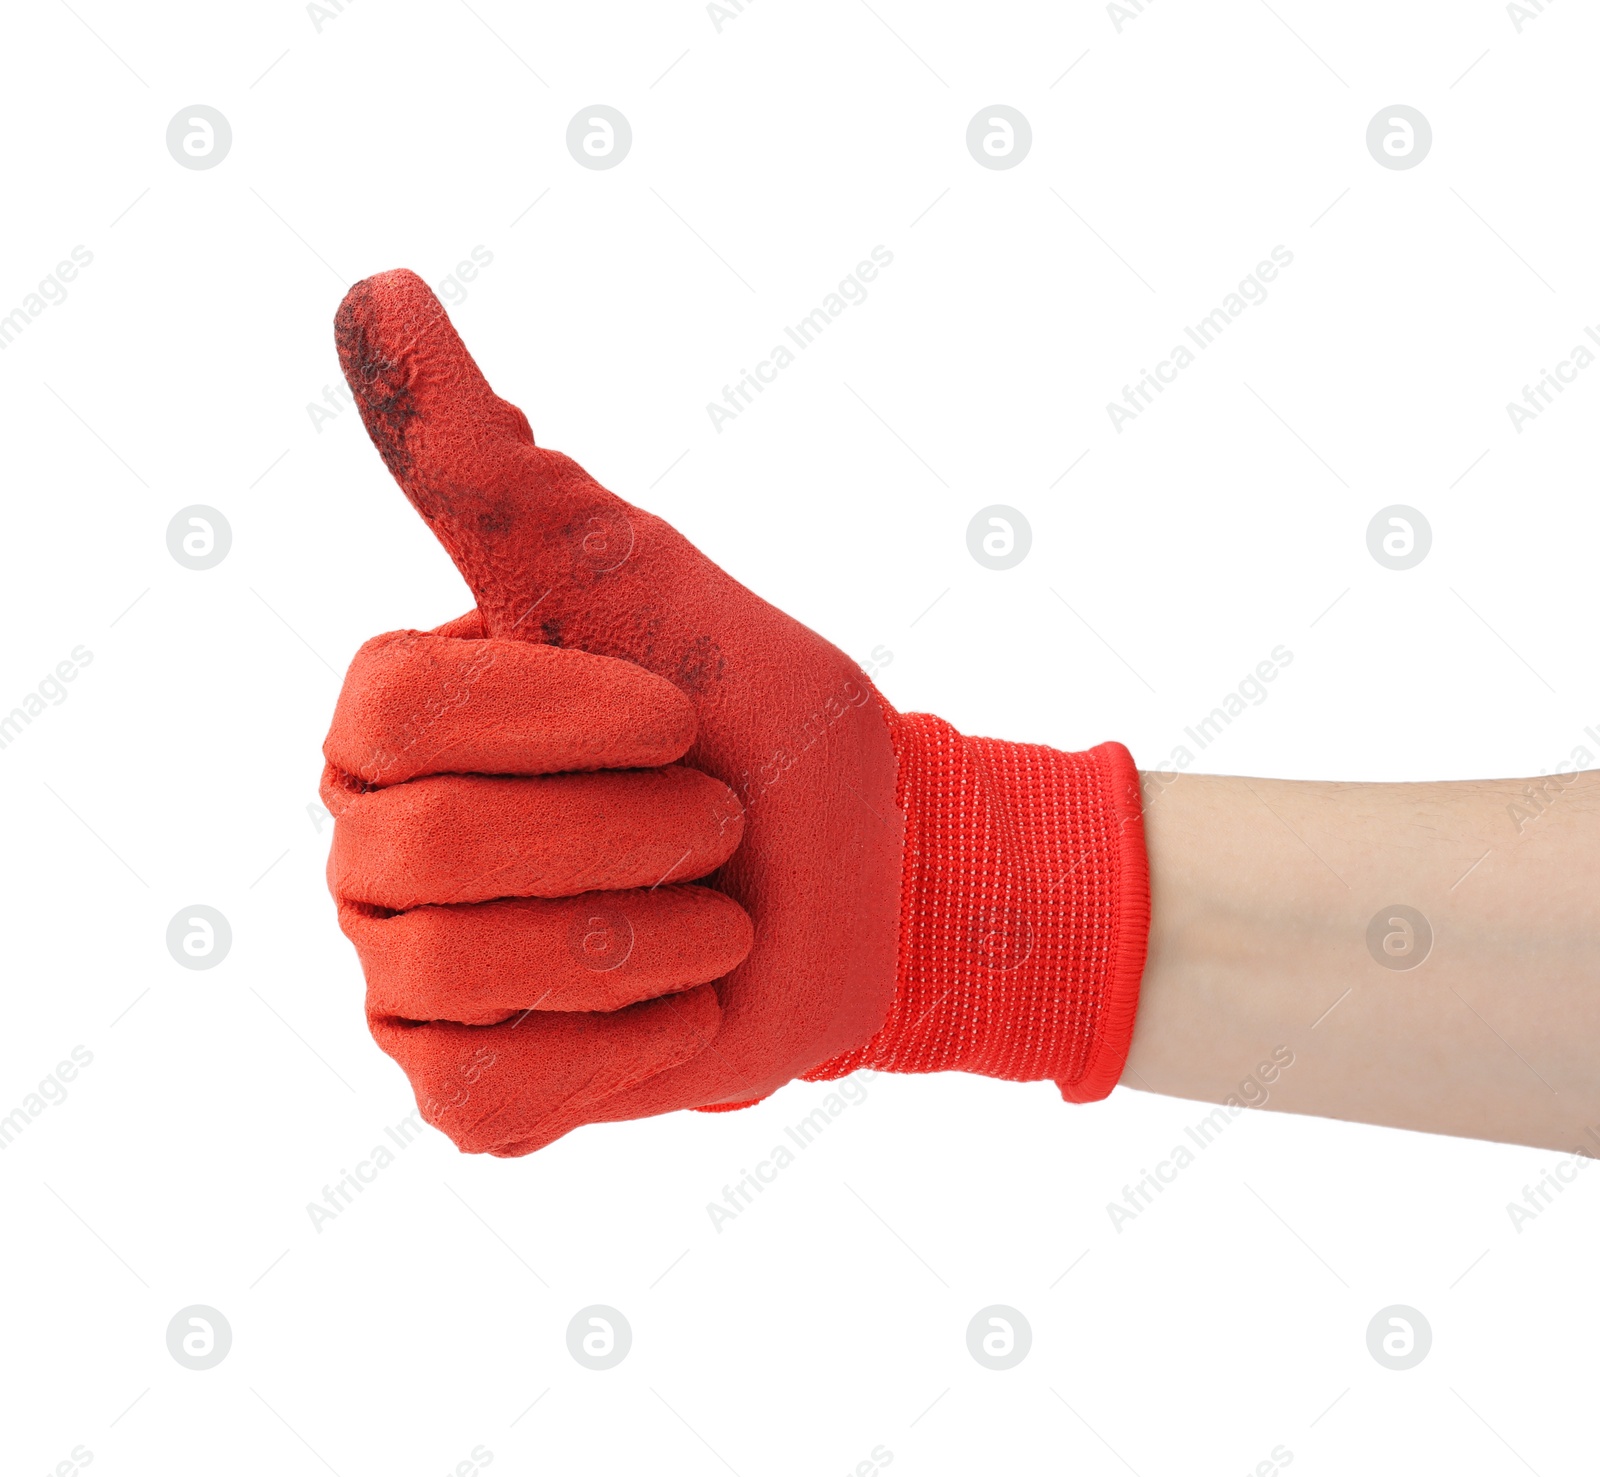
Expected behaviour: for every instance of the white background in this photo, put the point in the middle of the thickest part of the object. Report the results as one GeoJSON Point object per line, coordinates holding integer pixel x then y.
{"type": "Point", "coordinates": [1168, 158]}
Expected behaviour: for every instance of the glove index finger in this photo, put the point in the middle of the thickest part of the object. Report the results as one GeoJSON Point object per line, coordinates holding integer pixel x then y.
{"type": "Point", "coordinates": [418, 703]}
{"type": "Point", "coordinates": [514, 518]}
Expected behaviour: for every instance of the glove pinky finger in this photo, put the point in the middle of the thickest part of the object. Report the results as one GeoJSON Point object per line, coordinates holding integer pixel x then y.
{"type": "Point", "coordinates": [515, 1087]}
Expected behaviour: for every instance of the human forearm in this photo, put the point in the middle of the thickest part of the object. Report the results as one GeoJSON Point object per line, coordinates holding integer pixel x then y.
{"type": "Point", "coordinates": [1262, 895]}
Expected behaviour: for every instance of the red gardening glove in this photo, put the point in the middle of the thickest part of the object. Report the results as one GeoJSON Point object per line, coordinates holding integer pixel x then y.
{"type": "Point", "coordinates": [627, 839]}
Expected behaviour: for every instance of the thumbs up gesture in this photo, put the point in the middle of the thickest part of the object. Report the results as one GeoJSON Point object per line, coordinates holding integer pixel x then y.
{"type": "Point", "coordinates": [560, 817]}
{"type": "Point", "coordinates": [626, 839]}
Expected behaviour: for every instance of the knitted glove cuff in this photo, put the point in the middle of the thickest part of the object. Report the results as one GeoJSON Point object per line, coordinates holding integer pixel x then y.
{"type": "Point", "coordinates": [1025, 910]}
